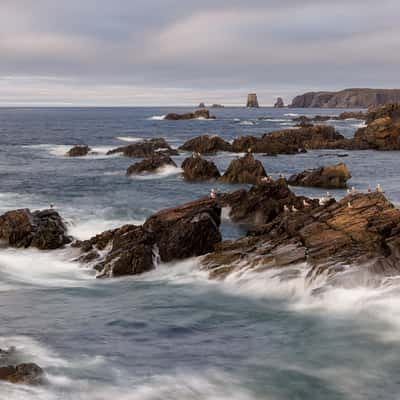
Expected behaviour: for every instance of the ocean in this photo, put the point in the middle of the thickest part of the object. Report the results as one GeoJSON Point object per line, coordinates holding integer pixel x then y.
{"type": "Point", "coordinates": [172, 333]}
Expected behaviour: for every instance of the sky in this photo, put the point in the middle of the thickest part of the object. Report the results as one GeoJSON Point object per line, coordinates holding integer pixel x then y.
{"type": "Point", "coordinates": [183, 52]}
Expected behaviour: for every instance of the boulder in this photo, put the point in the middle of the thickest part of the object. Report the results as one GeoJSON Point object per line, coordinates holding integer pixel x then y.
{"type": "Point", "coordinates": [173, 234]}
{"type": "Point", "coordinates": [44, 230]}
{"type": "Point", "coordinates": [150, 164]}
{"type": "Point", "coordinates": [263, 202]}
{"type": "Point", "coordinates": [25, 374]}
{"type": "Point", "coordinates": [332, 176]}
{"type": "Point", "coordinates": [196, 168]}
{"type": "Point", "coordinates": [199, 114]}
{"type": "Point", "coordinates": [206, 144]}
{"type": "Point", "coordinates": [279, 103]}
{"type": "Point", "coordinates": [145, 148]}
{"type": "Point", "coordinates": [78, 151]}
{"type": "Point", "coordinates": [244, 170]}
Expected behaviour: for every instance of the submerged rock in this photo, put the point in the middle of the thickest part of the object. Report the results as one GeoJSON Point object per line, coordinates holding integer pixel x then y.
{"type": "Point", "coordinates": [150, 164]}
{"type": "Point", "coordinates": [206, 144]}
{"type": "Point", "coordinates": [44, 230]}
{"type": "Point", "coordinates": [332, 176]}
{"type": "Point", "coordinates": [196, 168]}
{"type": "Point", "coordinates": [145, 148]}
{"type": "Point", "coordinates": [199, 114]}
{"type": "Point", "coordinates": [244, 170]}
{"type": "Point", "coordinates": [185, 231]}
{"type": "Point", "coordinates": [78, 151]}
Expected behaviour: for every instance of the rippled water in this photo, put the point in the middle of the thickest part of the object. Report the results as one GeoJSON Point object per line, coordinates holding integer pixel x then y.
{"type": "Point", "coordinates": [172, 334]}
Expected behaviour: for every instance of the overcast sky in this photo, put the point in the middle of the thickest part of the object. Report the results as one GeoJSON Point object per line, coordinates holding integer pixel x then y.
{"type": "Point", "coordinates": [171, 52]}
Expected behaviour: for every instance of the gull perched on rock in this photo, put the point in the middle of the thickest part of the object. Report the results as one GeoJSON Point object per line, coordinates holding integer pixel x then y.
{"type": "Point", "coordinates": [379, 188]}
{"type": "Point", "coordinates": [349, 205]}
{"type": "Point", "coordinates": [294, 209]}
{"type": "Point", "coordinates": [285, 208]}
{"type": "Point", "coordinates": [353, 190]}
{"type": "Point", "coordinates": [305, 204]}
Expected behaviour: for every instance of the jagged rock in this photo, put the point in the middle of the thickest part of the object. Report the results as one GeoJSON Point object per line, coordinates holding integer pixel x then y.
{"type": "Point", "coordinates": [25, 374]}
{"type": "Point", "coordinates": [199, 114]}
{"type": "Point", "coordinates": [201, 105]}
{"type": "Point", "coordinates": [361, 230]}
{"type": "Point", "coordinates": [331, 176]}
{"type": "Point", "coordinates": [351, 115]}
{"type": "Point", "coordinates": [244, 170]}
{"type": "Point", "coordinates": [279, 103]}
{"type": "Point", "coordinates": [206, 144]}
{"type": "Point", "coordinates": [145, 148]}
{"type": "Point", "coordinates": [78, 151]}
{"type": "Point", "coordinates": [151, 164]}
{"type": "Point", "coordinates": [196, 168]}
{"type": "Point", "coordinates": [44, 230]}
{"type": "Point", "coordinates": [348, 98]}
{"type": "Point", "coordinates": [185, 231]}
{"type": "Point", "coordinates": [290, 141]}
{"type": "Point", "coordinates": [262, 203]}
{"type": "Point", "coordinates": [252, 101]}
{"type": "Point", "coordinates": [391, 111]}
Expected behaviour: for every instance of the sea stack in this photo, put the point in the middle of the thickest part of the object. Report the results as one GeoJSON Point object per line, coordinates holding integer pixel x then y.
{"type": "Point", "coordinates": [279, 103]}
{"type": "Point", "coordinates": [252, 101]}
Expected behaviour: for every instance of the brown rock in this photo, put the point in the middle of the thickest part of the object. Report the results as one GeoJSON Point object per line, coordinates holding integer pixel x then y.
{"type": "Point", "coordinates": [206, 144]}
{"type": "Point", "coordinates": [279, 103]}
{"type": "Point", "coordinates": [244, 170]}
{"type": "Point", "coordinates": [78, 151]}
{"type": "Point", "coordinates": [335, 176]}
{"type": "Point", "coordinates": [199, 114]}
{"type": "Point", "coordinates": [26, 374]}
{"type": "Point", "coordinates": [150, 164]}
{"type": "Point", "coordinates": [196, 168]}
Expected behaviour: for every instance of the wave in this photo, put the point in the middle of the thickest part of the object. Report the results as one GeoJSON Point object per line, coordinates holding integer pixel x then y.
{"type": "Point", "coordinates": [157, 117]}
{"type": "Point", "coordinates": [360, 125]}
{"type": "Point", "coordinates": [272, 120]}
{"type": "Point", "coordinates": [163, 172]}
{"type": "Point", "coordinates": [292, 115]}
{"type": "Point", "coordinates": [60, 150]}
{"type": "Point", "coordinates": [129, 139]}
{"type": "Point", "coordinates": [247, 123]}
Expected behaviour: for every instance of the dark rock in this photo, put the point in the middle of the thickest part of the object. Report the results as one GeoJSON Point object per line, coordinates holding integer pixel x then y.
{"type": "Point", "coordinates": [150, 164]}
{"type": "Point", "coordinates": [279, 103]}
{"type": "Point", "coordinates": [44, 230]}
{"type": "Point", "coordinates": [78, 151]}
{"type": "Point", "coordinates": [26, 374]}
{"type": "Point", "coordinates": [206, 144]}
{"type": "Point", "coordinates": [201, 105]}
{"type": "Point", "coordinates": [177, 233]}
{"type": "Point", "coordinates": [244, 170]}
{"type": "Point", "coordinates": [196, 168]}
{"type": "Point", "coordinates": [145, 148]}
{"type": "Point", "coordinates": [199, 114]}
{"type": "Point", "coordinates": [332, 176]}
{"type": "Point", "coordinates": [186, 231]}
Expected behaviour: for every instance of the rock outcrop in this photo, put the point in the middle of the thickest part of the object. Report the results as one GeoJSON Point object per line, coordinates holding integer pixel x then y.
{"type": "Point", "coordinates": [244, 170]}
{"type": "Point", "coordinates": [329, 177]}
{"type": "Point", "coordinates": [360, 231]}
{"type": "Point", "coordinates": [199, 114]}
{"type": "Point", "coordinates": [252, 101]}
{"type": "Point", "coordinates": [44, 230]}
{"type": "Point", "coordinates": [206, 144]}
{"type": "Point", "coordinates": [279, 103]}
{"type": "Point", "coordinates": [348, 98]}
{"type": "Point", "coordinates": [24, 374]}
{"type": "Point", "coordinates": [145, 148]}
{"type": "Point", "coordinates": [185, 231]}
{"type": "Point", "coordinates": [290, 141]}
{"type": "Point", "coordinates": [196, 169]}
{"type": "Point", "coordinates": [78, 151]}
{"type": "Point", "coordinates": [201, 105]}
{"type": "Point", "coordinates": [150, 164]}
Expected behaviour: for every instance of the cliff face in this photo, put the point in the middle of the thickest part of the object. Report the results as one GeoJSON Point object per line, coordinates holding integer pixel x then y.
{"type": "Point", "coordinates": [348, 98]}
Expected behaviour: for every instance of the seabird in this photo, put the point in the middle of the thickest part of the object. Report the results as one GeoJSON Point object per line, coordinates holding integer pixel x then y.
{"type": "Point", "coordinates": [379, 188]}
{"type": "Point", "coordinates": [294, 209]}
{"type": "Point", "coordinates": [249, 150]}
{"type": "Point", "coordinates": [348, 191]}
{"type": "Point", "coordinates": [353, 190]}
{"type": "Point", "coordinates": [285, 208]}
{"type": "Point", "coordinates": [213, 194]}
{"type": "Point", "coordinates": [305, 204]}
{"type": "Point", "coordinates": [369, 189]}
{"type": "Point", "coordinates": [51, 205]}
{"type": "Point", "coordinates": [349, 205]}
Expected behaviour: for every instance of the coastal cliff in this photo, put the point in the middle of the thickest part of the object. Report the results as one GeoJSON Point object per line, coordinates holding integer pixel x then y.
{"type": "Point", "coordinates": [348, 98]}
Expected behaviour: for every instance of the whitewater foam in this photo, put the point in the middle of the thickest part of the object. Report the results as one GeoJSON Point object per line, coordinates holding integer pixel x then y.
{"type": "Point", "coordinates": [129, 139]}
{"type": "Point", "coordinates": [157, 117]}
{"type": "Point", "coordinates": [163, 172]}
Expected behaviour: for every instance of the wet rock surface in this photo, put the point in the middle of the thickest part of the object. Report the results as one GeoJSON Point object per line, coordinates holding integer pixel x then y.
{"type": "Point", "coordinates": [196, 169]}
{"type": "Point", "coordinates": [78, 151]}
{"type": "Point", "coordinates": [185, 231]}
{"type": "Point", "coordinates": [44, 230]}
{"type": "Point", "coordinates": [206, 144]}
{"type": "Point", "coordinates": [150, 164]}
{"type": "Point", "coordinates": [331, 176]}
{"type": "Point", "coordinates": [145, 148]}
{"type": "Point", "coordinates": [244, 170]}
{"type": "Point", "coordinates": [199, 114]}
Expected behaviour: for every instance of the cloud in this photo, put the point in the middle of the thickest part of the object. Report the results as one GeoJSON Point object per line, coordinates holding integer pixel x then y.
{"type": "Point", "coordinates": [193, 48]}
